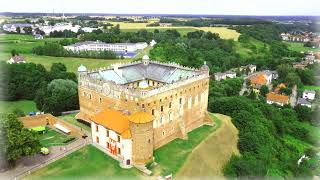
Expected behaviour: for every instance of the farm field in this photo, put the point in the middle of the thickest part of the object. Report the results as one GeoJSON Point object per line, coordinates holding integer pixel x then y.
{"type": "Point", "coordinates": [52, 138]}
{"type": "Point", "coordinates": [25, 105]}
{"type": "Point", "coordinates": [224, 32]}
{"type": "Point", "coordinates": [297, 46]}
{"type": "Point", "coordinates": [86, 163]}
{"type": "Point", "coordinates": [71, 119]}
{"type": "Point", "coordinates": [172, 156]}
{"type": "Point", "coordinates": [71, 63]}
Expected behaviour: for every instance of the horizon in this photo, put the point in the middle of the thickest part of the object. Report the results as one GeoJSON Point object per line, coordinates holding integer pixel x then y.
{"type": "Point", "coordinates": [169, 7]}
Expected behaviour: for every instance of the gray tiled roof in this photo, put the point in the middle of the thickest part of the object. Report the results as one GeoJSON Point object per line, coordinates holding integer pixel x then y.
{"type": "Point", "coordinates": [303, 101]}
{"type": "Point", "coordinates": [139, 71]}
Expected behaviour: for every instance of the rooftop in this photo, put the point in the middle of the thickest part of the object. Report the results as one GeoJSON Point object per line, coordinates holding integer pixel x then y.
{"type": "Point", "coordinates": [277, 97]}
{"type": "Point", "coordinates": [112, 119]}
{"type": "Point", "coordinates": [303, 101]}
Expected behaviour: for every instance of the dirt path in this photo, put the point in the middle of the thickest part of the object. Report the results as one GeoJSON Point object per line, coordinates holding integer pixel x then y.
{"type": "Point", "coordinates": [209, 157]}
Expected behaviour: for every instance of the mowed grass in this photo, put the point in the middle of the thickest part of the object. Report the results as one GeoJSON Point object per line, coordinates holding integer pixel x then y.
{"type": "Point", "coordinates": [52, 138]}
{"type": "Point", "coordinates": [70, 118]}
{"type": "Point", "coordinates": [213, 153]}
{"type": "Point", "coordinates": [25, 105]}
{"type": "Point", "coordinates": [86, 163]}
{"type": "Point", "coordinates": [71, 63]}
{"type": "Point", "coordinates": [311, 87]}
{"type": "Point", "coordinates": [298, 46]}
{"type": "Point", "coordinates": [172, 156]}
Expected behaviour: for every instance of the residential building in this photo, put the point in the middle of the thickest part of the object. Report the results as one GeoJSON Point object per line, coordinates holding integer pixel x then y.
{"type": "Point", "coordinates": [274, 98]}
{"type": "Point", "coordinates": [304, 102]}
{"type": "Point", "coordinates": [13, 27]}
{"type": "Point", "coordinates": [231, 74]}
{"type": "Point", "coordinates": [222, 76]}
{"type": "Point", "coordinates": [309, 94]}
{"type": "Point", "coordinates": [137, 107]}
{"type": "Point", "coordinates": [16, 60]}
{"type": "Point", "coordinates": [153, 42]}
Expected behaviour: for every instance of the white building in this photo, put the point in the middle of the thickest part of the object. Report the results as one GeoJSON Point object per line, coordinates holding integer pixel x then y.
{"type": "Point", "coordinates": [231, 74]}
{"type": "Point", "coordinates": [111, 134]}
{"type": "Point", "coordinates": [153, 42]}
{"type": "Point", "coordinates": [101, 46]}
{"type": "Point", "coordinates": [59, 27]}
{"type": "Point", "coordinates": [13, 27]}
{"type": "Point", "coordinates": [16, 60]}
{"type": "Point", "coordinates": [222, 76]}
{"type": "Point", "coordinates": [309, 94]}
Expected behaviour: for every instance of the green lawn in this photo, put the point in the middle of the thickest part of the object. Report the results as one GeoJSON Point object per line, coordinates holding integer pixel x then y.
{"type": "Point", "coordinates": [173, 155]}
{"type": "Point", "coordinates": [71, 63]}
{"type": "Point", "coordinates": [71, 119]}
{"type": "Point", "coordinates": [52, 138]}
{"type": "Point", "coordinates": [311, 87]}
{"type": "Point", "coordinates": [86, 163]}
{"type": "Point", "coordinates": [298, 46]}
{"type": "Point", "coordinates": [25, 105]}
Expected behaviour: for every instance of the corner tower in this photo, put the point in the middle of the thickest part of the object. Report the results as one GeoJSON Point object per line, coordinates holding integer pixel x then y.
{"type": "Point", "coordinates": [141, 127]}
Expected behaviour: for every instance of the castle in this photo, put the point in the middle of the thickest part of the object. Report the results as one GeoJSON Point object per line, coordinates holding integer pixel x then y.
{"type": "Point", "coordinates": [140, 106]}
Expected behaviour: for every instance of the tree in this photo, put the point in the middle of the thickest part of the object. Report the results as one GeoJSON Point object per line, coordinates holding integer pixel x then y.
{"type": "Point", "coordinates": [20, 141]}
{"type": "Point", "coordinates": [303, 113]}
{"type": "Point", "coordinates": [292, 79]}
{"type": "Point", "coordinates": [18, 112]}
{"type": "Point", "coordinates": [27, 30]}
{"type": "Point", "coordinates": [60, 95]}
{"type": "Point", "coordinates": [18, 29]}
{"type": "Point", "coordinates": [264, 90]}
{"type": "Point", "coordinates": [14, 52]}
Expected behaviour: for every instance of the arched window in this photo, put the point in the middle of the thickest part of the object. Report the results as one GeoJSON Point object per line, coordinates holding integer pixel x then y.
{"type": "Point", "coordinates": [170, 116]}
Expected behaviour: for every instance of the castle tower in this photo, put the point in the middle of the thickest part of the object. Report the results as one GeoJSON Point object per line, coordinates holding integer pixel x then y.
{"type": "Point", "coordinates": [141, 128]}
{"type": "Point", "coordinates": [81, 69]}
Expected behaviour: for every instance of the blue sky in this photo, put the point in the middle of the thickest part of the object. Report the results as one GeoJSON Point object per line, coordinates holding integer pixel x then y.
{"type": "Point", "coordinates": [214, 7]}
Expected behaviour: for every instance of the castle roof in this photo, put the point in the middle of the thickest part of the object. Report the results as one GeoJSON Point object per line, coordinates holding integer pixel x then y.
{"type": "Point", "coordinates": [140, 117]}
{"type": "Point", "coordinates": [138, 71]}
{"type": "Point", "coordinates": [112, 119]}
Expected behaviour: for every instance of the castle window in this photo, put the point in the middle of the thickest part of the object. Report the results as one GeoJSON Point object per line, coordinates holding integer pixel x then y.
{"type": "Point", "coordinates": [170, 116]}
{"type": "Point", "coordinates": [163, 133]}
{"type": "Point", "coordinates": [97, 128]}
{"type": "Point", "coordinates": [100, 100]}
{"type": "Point", "coordinates": [118, 138]}
{"type": "Point", "coordinates": [137, 104]}
{"type": "Point", "coordinates": [108, 145]}
{"type": "Point", "coordinates": [119, 151]}
{"type": "Point", "coordinates": [170, 104]}
{"type": "Point", "coordinates": [84, 93]}
{"type": "Point", "coordinates": [97, 139]}
{"type": "Point", "coordinates": [90, 96]}
{"type": "Point", "coordinates": [142, 105]}
{"type": "Point", "coordinates": [152, 112]}
{"type": "Point", "coordinates": [161, 108]}
{"type": "Point", "coordinates": [180, 101]}
{"type": "Point", "coordinates": [161, 118]}
{"type": "Point", "coordinates": [107, 133]}
{"type": "Point", "coordinates": [160, 100]}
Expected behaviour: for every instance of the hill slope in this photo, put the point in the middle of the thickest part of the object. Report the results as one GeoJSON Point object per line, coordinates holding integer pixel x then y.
{"type": "Point", "coordinates": [209, 157]}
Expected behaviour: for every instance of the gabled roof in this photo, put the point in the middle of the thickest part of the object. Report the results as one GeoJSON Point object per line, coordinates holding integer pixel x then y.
{"type": "Point", "coordinates": [303, 101]}
{"type": "Point", "coordinates": [258, 79]}
{"type": "Point", "coordinates": [277, 98]}
{"type": "Point", "coordinates": [18, 58]}
{"type": "Point", "coordinates": [112, 119]}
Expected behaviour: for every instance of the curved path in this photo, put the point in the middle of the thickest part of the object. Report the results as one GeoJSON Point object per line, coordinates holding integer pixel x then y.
{"type": "Point", "coordinates": [209, 157]}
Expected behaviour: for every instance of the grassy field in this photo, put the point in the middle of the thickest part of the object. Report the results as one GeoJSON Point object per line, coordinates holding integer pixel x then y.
{"type": "Point", "coordinates": [86, 163]}
{"type": "Point", "coordinates": [52, 138]}
{"type": "Point", "coordinates": [172, 156]}
{"type": "Point", "coordinates": [71, 63]}
{"type": "Point", "coordinates": [25, 105]}
{"type": "Point", "coordinates": [297, 46]}
{"type": "Point", "coordinates": [311, 87]}
{"type": "Point", "coordinates": [71, 119]}
{"type": "Point", "coordinates": [210, 156]}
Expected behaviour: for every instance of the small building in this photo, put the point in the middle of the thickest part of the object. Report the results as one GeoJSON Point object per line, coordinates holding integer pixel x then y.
{"type": "Point", "coordinates": [38, 36]}
{"type": "Point", "coordinates": [304, 102]}
{"type": "Point", "coordinates": [309, 94]}
{"type": "Point", "coordinates": [230, 74]}
{"type": "Point", "coordinates": [219, 76]}
{"type": "Point", "coordinates": [257, 81]}
{"type": "Point", "coordinates": [153, 42]}
{"type": "Point", "coordinates": [274, 98]}
{"type": "Point", "coordinates": [16, 60]}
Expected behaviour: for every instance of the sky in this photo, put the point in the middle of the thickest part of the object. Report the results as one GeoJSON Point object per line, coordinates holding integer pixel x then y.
{"type": "Point", "coordinates": [208, 7]}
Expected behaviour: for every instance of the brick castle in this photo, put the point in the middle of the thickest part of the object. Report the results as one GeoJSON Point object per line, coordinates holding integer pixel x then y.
{"type": "Point", "coordinates": [137, 107]}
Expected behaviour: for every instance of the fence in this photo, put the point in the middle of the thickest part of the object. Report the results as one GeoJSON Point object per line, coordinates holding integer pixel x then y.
{"type": "Point", "coordinates": [49, 161]}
